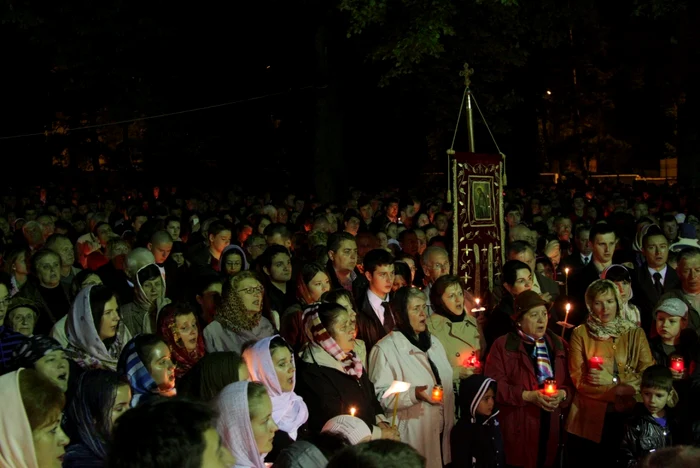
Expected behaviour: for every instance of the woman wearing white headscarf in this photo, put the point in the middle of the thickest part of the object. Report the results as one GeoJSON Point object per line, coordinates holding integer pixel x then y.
{"type": "Point", "coordinates": [245, 423]}
{"type": "Point", "coordinates": [270, 361]}
{"type": "Point", "coordinates": [30, 421]}
{"type": "Point", "coordinates": [620, 275]}
{"type": "Point", "coordinates": [95, 332]}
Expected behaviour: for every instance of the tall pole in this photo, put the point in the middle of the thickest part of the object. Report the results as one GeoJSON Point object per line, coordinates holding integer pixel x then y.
{"type": "Point", "coordinates": [467, 74]}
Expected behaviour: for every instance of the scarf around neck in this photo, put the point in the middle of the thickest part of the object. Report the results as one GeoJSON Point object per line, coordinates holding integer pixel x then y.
{"type": "Point", "coordinates": [352, 365]}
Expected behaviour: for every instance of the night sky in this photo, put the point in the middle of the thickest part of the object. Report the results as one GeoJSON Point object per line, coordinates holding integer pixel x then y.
{"type": "Point", "coordinates": [97, 62]}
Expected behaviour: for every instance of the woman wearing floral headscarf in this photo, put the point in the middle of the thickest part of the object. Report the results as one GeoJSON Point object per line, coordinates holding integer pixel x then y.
{"type": "Point", "coordinates": [47, 357]}
{"type": "Point", "coordinates": [177, 325]}
{"type": "Point", "coordinates": [270, 361]}
{"type": "Point", "coordinates": [607, 357]}
{"type": "Point", "coordinates": [94, 329]}
{"type": "Point", "coordinates": [147, 363]}
{"type": "Point", "coordinates": [239, 318]}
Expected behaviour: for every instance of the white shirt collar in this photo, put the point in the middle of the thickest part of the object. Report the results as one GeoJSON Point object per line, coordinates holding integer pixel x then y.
{"type": "Point", "coordinates": [663, 273]}
{"type": "Point", "coordinates": [376, 303]}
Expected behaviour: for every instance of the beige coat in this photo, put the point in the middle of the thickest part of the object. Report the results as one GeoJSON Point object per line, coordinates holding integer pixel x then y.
{"type": "Point", "coordinates": [420, 424]}
{"type": "Point", "coordinates": [632, 353]}
{"type": "Point", "coordinates": [461, 340]}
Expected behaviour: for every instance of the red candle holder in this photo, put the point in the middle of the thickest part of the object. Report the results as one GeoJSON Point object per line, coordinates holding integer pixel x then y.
{"type": "Point", "coordinates": [437, 393]}
{"type": "Point", "coordinates": [550, 387]}
{"type": "Point", "coordinates": [677, 364]}
{"type": "Point", "coordinates": [596, 362]}
{"type": "Point", "coordinates": [472, 361]}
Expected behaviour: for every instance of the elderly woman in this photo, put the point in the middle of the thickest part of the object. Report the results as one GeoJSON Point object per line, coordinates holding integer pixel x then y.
{"type": "Point", "coordinates": [410, 354]}
{"type": "Point", "coordinates": [332, 375]}
{"type": "Point", "coordinates": [521, 361]}
{"type": "Point", "coordinates": [455, 328]}
{"type": "Point", "coordinates": [22, 315]}
{"type": "Point", "coordinates": [239, 319]}
{"type": "Point", "coordinates": [45, 289]}
{"type": "Point", "coordinates": [608, 356]}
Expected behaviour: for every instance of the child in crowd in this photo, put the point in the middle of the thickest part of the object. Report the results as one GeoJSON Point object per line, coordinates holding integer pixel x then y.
{"type": "Point", "coordinates": [476, 439]}
{"type": "Point", "coordinates": [650, 427]}
{"type": "Point", "coordinates": [671, 319]}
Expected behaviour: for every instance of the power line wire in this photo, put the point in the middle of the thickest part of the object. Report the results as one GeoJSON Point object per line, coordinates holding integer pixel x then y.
{"type": "Point", "coordinates": [151, 117]}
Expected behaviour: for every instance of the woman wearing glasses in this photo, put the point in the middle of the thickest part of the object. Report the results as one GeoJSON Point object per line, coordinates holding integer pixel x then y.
{"type": "Point", "coordinates": [239, 319]}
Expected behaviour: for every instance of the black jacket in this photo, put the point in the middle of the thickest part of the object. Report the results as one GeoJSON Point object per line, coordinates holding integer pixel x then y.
{"type": "Point", "coordinates": [329, 392]}
{"type": "Point", "coordinates": [369, 328]}
{"type": "Point", "coordinates": [645, 295]}
{"type": "Point", "coordinates": [476, 440]}
{"type": "Point", "coordinates": [643, 435]}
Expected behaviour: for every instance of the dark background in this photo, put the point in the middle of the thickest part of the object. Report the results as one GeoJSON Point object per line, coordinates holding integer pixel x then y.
{"type": "Point", "coordinates": [375, 109]}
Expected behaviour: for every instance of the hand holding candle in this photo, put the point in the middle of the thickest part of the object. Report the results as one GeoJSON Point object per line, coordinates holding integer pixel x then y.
{"type": "Point", "coordinates": [595, 362]}
{"type": "Point", "coordinates": [677, 367]}
{"type": "Point", "coordinates": [550, 388]}
{"type": "Point", "coordinates": [437, 393]}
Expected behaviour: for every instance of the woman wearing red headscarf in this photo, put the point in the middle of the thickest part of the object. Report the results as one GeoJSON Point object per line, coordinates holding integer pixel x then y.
{"type": "Point", "coordinates": [177, 324]}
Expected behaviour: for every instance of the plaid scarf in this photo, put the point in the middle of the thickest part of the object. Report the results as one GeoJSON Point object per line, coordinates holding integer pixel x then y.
{"type": "Point", "coordinates": [541, 355]}
{"type": "Point", "coordinates": [319, 335]}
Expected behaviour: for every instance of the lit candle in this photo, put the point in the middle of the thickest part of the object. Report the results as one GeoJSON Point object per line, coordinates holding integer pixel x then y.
{"type": "Point", "coordinates": [353, 410]}
{"type": "Point", "coordinates": [595, 362]}
{"type": "Point", "coordinates": [566, 281]}
{"type": "Point", "coordinates": [472, 361]}
{"type": "Point", "coordinates": [437, 393]}
{"type": "Point", "coordinates": [550, 387]}
{"type": "Point", "coordinates": [677, 364]}
{"type": "Point", "coordinates": [478, 301]}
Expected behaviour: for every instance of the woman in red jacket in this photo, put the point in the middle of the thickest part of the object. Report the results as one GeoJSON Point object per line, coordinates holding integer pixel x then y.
{"type": "Point", "coordinates": [521, 362]}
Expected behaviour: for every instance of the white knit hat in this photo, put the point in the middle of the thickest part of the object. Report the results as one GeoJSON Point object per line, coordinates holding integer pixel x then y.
{"type": "Point", "coordinates": [353, 428]}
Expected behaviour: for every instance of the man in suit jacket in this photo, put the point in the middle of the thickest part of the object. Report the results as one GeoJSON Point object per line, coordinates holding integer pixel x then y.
{"type": "Point", "coordinates": [603, 241]}
{"type": "Point", "coordinates": [653, 279]}
{"type": "Point", "coordinates": [583, 255]}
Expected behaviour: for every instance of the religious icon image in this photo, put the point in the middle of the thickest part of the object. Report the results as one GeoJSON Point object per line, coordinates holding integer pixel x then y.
{"type": "Point", "coordinates": [481, 196]}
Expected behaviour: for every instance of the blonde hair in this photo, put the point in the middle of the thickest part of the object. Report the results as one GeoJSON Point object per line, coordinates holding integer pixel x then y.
{"type": "Point", "coordinates": [599, 287]}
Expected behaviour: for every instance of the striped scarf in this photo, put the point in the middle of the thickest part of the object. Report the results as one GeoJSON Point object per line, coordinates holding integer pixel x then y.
{"type": "Point", "coordinates": [544, 367]}
{"type": "Point", "coordinates": [352, 365]}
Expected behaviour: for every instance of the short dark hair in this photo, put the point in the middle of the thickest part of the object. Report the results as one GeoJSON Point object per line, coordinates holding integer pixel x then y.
{"type": "Point", "coordinates": [376, 258]}
{"type": "Point", "coordinates": [668, 218]}
{"type": "Point", "coordinates": [510, 271]}
{"type": "Point", "coordinates": [270, 252]}
{"type": "Point", "coordinates": [601, 229]}
{"type": "Point", "coordinates": [381, 453]}
{"type": "Point", "coordinates": [335, 239]}
{"type": "Point", "coordinates": [218, 226]}
{"type": "Point", "coordinates": [278, 228]}
{"type": "Point", "coordinates": [161, 434]}
{"type": "Point", "coordinates": [657, 376]}
{"type": "Point", "coordinates": [652, 231]}
{"type": "Point", "coordinates": [518, 247]}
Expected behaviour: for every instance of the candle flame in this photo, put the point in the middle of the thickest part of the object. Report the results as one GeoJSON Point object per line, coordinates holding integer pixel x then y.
{"type": "Point", "coordinates": [566, 270]}
{"type": "Point", "coordinates": [478, 301]}
{"type": "Point", "coordinates": [353, 411]}
{"type": "Point", "coordinates": [568, 307]}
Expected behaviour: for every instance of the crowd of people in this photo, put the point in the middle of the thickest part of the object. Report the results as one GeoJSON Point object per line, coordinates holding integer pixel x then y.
{"type": "Point", "coordinates": [215, 329]}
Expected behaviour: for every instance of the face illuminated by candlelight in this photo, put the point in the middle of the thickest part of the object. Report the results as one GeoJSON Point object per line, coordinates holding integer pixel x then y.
{"type": "Point", "coordinates": [605, 306]}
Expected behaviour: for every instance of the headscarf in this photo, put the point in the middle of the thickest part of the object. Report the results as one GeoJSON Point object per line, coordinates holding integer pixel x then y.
{"type": "Point", "coordinates": [232, 314]}
{"type": "Point", "coordinates": [91, 451]}
{"type": "Point", "coordinates": [235, 428]}
{"type": "Point", "coordinates": [140, 380]}
{"type": "Point", "coordinates": [352, 428]}
{"type": "Point", "coordinates": [639, 238]}
{"type": "Point", "coordinates": [628, 310]}
{"type": "Point", "coordinates": [244, 267]}
{"type": "Point", "coordinates": [403, 325]}
{"type": "Point", "coordinates": [613, 329]}
{"type": "Point", "coordinates": [16, 441]}
{"type": "Point", "coordinates": [288, 409]}
{"type": "Point", "coordinates": [84, 344]}
{"type": "Point", "coordinates": [181, 356]}
{"type": "Point", "coordinates": [32, 349]}
{"type": "Point", "coordinates": [147, 273]}
{"type": "Point", "coordinates": [210, 375]}
{"type": "Point", "coordinates": [352, 365]}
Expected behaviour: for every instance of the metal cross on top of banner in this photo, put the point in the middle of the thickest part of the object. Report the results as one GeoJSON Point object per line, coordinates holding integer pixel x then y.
{"type": "Point", "coordinates": [475, 189]}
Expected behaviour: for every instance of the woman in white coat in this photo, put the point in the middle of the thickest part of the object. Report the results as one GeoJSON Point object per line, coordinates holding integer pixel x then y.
{"type": "Point", "coordinates": [410, 354]}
